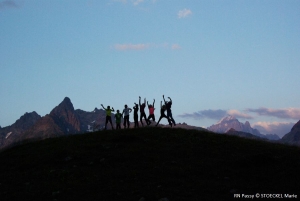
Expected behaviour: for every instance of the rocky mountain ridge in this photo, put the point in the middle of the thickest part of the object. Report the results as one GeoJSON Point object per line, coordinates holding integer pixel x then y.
{"type": "Point", "coordinates": [230, 122]}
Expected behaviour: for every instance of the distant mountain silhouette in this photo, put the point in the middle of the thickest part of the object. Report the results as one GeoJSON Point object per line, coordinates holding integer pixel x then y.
{"type": "Point", "coordinates": [9, 134]}
{"type": "Point", "coordinates": [62, 120]}
{"type": "Point", "coordinates": [293, 137]}
{"type": "Point", "coordinates": [230, 122]}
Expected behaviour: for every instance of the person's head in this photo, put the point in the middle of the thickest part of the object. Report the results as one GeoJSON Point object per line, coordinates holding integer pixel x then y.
{"type": "Point", "coordinates": [164, 106]}
{"type": "Point", "coordinates": [108, 107]}
{"type": "Point", "coordinates": [125, 106]}
{"type": "Point", "coordinates": [143, 104]}
{"type": "Point", "coordinates": [150, 106]}
{"type": "Point", "coordinates": [118, 111]}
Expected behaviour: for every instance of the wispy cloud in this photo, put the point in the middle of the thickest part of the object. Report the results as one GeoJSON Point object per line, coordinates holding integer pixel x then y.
{"type": "Point", "coordinates": [144, 46]}
{"type": "Point", "coordinates": [124, 47]}
{"type": "Point", "coordinates": [137, 2]}
{"type": "Point", "coordinates": [8, 4]}
{"type": "Point", "coordinates": [216, 114]}
{"type": "Point", "coordinates": [184, 13]}
{"type": "Point", "coordinates": [175, 47]}
{"type": "Point", "coordinates": [210, 114]}
{"type": "Point", "coordinates": [279, 128]}
{"type": "Point", "coordinates": [288, 113]}
{"type": "Point", "coordinates": [239, 114]}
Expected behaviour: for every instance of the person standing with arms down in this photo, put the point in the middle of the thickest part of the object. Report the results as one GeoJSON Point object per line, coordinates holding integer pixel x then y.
{"type": "Point", "coordinates": [118, 117]}
{"type": "Point", "coordinates": [126, 112]}
{"type": "Point", "coordinates": [108, 115]}
{"type": "Point", "coordinates": [142, 111]}
{"type": "Point", "coordinates": [168, 107]}
{"type": "Point", "coordinates": [151, 112]}
{"type": "Point", "coordinates": [135, 115]}
{"type": "Point", "coordinates": [162, 114]}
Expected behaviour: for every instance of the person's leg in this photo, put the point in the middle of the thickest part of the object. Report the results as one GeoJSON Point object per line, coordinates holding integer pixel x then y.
{"type": "Point", "coordinates": [141, 119]}
{"type": "Point", "coordinates": [159, 120]}
{"type": "Point", "coordinates": [171, 117]}
{"type": "Point", "coordinates": [111, 123]}
{"type": "Point", "coordinates": [106, 121]}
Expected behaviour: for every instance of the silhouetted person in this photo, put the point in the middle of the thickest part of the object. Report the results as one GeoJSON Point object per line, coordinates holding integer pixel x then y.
{"type": "Point", "coordinates": [108, 115]}
{"type": "Point", "coordinates": [135, 115]}
{"type": "Point", "coordinates": [162, 114]}
{"type": "Point", "coordinates": [151, 111]}
{"type": "Point", "coordinates": [142, 111]}
{"type": "Point", "coordinates": [126, 112]}
{"type": "Point", "coordinates": [168, 107]}
{"type": "Point", "coordinates": [118, 117]}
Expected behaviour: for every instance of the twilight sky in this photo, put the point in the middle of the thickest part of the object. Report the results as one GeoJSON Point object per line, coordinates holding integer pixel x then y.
{"type": "Point", "coordinates": [212, 57]}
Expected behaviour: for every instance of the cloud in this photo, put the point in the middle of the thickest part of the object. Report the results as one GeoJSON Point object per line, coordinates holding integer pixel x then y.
{"type": "Point", "coordinates": [216, 114]}
{"type": "Point", "coordinates": [175, 47]}
{"type": "Point", "coordinates": [210, 114]}
{"type": "Point", "coordinates": [137, 2]}
{"type": "Point", "coordinates": [8, 4]}
{"type": "Point", "coordinates": [239, 114]}
{"type": "Point", "coordinates": [289, 113]}
{"type": "Point", "coordinates": [184, 13]}
{"type": "Point", "coordinates": [143, 46]}
{"type": "Point", "coordinates": [279, 128]}
{"type": "Point", "coordinates": [124, 47]}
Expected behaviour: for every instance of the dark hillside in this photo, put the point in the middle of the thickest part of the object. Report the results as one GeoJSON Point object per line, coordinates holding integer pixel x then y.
{"type": "Point", "coordinates": [147, 164]}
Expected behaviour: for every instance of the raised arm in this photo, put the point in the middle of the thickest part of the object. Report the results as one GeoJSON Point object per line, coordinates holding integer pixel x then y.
{"type": "Point", "coordinates": [160, 104]}
{"type": "Point", "coordinates": [164, 99]}
{"type": "Point", "coordinates": [153, 102]}
{"type": "Point", "coordinates": [112, 109]}
{"type": "Point", "coordinates": [103, 107]}
{"type": "Point", "coordinates": [147, 104]}
{"type": "Point", "coordinates": [145, 101]}
{"type": "Point", "coordinates": [170, 99]}
{"type": "Point", "coordinates": [140, 101]}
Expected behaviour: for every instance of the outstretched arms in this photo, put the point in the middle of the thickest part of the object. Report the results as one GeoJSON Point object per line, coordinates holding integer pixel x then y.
{"type": "Point", "coordinates": [103, 107]}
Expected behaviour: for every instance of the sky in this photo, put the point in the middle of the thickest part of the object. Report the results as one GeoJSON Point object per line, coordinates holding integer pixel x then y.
{"type": "Point", "coordinates": [211, 57]}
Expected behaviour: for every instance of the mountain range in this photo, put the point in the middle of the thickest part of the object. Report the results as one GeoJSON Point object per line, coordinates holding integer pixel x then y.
{"type": "Point", "coordinates": [65, 120]}
{"type": "Point", "coordinates": [230, 122]}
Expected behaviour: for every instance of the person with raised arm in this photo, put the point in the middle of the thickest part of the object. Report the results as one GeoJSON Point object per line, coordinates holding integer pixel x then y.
{"type": "Point", "coordinates": [142, 111]}
{"type": "Point", "coordinates": [108, 115]}
{"type": "Point", "coordinates": [126, 112]}
{"type": "Point", "coordinates": [135, 115]}
{"type": "Point", "coordinates": [151, 111]}
{"type": "Point", "coordinates": [169, 111]}
{"type": "Point", "coordinates": [162, 114]}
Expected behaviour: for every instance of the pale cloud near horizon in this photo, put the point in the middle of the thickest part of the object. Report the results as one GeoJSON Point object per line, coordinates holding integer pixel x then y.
{"type": "Point", "coordinates": [215, 114]}
{"type": "Point", "coordinates": [184, 13]}
{"type": "Point", "coordinates": [287, 113]}
{"type": "Point", "coordinates": [279, 128]}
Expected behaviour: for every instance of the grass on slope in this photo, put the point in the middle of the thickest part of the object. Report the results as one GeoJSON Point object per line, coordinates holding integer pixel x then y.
{"type": "Point", "coordinates": [149, 163]}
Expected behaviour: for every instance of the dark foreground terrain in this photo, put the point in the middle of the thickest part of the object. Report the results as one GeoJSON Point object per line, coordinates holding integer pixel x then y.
{"type": "Point", "coordinates": [148, 164]}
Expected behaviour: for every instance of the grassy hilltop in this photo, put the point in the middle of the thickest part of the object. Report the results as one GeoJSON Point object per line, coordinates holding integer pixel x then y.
{"type": "Point", "coordinates": [147, 164]}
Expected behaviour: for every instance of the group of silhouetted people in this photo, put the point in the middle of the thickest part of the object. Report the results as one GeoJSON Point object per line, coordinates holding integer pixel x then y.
{"type": "Point", "coordinates": [118, 116]}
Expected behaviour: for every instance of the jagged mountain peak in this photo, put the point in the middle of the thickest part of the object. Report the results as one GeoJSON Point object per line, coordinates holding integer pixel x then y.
{"type": "Point", "coordinates": [27, 120]}
{"type": "Point", "coordinates": [227, 118]}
